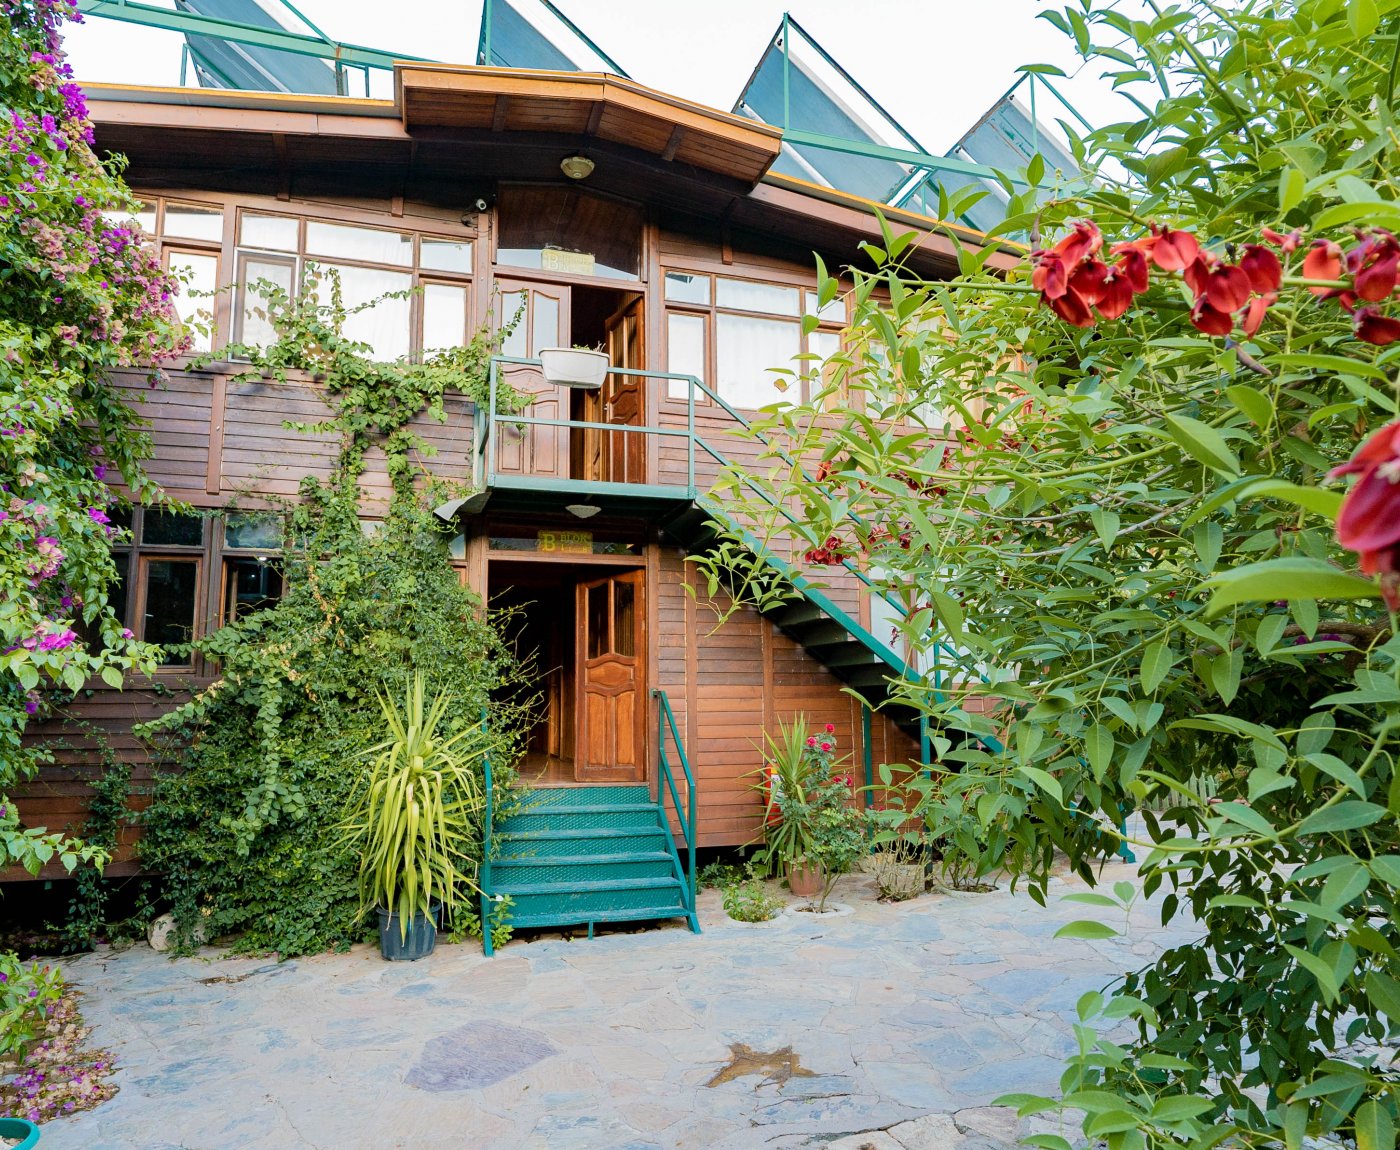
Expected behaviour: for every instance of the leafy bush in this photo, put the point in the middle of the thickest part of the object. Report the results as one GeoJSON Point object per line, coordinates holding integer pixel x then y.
{"type": "Point", "coordinates": [750, 901]}
{"type": "Point", "coordinates": [26, 995]}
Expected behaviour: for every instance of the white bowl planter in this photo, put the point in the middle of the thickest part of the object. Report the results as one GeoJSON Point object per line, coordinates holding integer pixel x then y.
{"type": "Point", "coordinates": [574, 366]}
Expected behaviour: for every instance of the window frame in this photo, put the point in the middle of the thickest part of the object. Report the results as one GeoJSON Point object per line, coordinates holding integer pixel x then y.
{"type": "Point", "coordinates": [712, 310]}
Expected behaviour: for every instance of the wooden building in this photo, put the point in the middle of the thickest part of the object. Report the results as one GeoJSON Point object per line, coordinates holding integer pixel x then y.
{"type": "Point", "coordinates": [610, 215]}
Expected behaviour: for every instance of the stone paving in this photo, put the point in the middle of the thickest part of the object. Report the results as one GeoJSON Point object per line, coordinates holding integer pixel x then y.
{"type": "Point", "coordinates": [888, 1028]}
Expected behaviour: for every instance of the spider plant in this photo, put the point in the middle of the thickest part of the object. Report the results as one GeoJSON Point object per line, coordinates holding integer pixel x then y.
{"type": "Point", "coordinates": [414, 821]}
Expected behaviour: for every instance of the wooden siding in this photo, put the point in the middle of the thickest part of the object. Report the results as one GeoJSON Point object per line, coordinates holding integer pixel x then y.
{"type": "Point", "coordinates": [729, 683]}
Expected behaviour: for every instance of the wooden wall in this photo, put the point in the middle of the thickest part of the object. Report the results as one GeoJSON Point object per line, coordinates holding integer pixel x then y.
{"type": "Point", "coordinates": [729, 682]}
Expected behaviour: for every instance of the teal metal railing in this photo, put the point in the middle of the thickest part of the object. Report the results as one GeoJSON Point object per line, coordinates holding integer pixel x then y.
{"type": "Point", "coordinates": [666, 785]}
{"type": "Point", "coordinates": [487, 846]}
{"type": "Point", "coordinates": [485, 474]}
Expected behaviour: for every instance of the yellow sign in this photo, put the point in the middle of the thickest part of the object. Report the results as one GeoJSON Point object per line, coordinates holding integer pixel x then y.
{"type": "Point", "coordinates": [559, 260]}
{"type": "Point", "coordinates": [566, 542]}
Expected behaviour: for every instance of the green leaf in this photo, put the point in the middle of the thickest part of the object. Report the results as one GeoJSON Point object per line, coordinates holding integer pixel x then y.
{"type": "Point", "coordinates": [1386, 868]}
{"type": "Point", "coordinates": [112, 676]}
{"type": "Point", "coordinates": [1384, 993]}
{"type": "Point", "coordinates": [1291, 185]}
{"type": "Point", "coordinates": [1157, 660]}
{"type": "Point", "coordinates": [1250, 400]}
{"type": "Point", "coordinates": [1375, 1129]}
{"type": "Point", "coordinates": [1105, 526]}
{"type": "Point", "coordinates": [1203, 443]}
{"type": "Point", "coordinates": [1086, 928]}
{"type": "Point", "coordinates": [1343, 885]}
{"type": "Point", "coordinates": [1326, 979]}
{"type": "Point", "coordinates": [1045, 781]}
{"type": "Point", "coordinates": [1292, 578]}
{"type": "Point", "coordinates": [1345, 816]}
{"type": "Point", "coordinates": [1177, 1107]}
{"type": "Point", "coordinates": [1295, 1125]}
{"type": "Point", "coordinates": [1328, 503]}
{"type": "Point", "coordinates": [1099, 745]}
{"type": "Point", "coordinates": [949, 612]}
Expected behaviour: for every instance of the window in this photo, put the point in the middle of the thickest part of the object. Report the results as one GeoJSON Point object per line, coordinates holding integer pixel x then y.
{"type": "Point", "coordinates": [746, 344]}
{"type": "Point", "coordinates": [252, 575]}
{"type": "Point", "coordinates": [160, 579]}
{"type": "Point", "coordinates": [189, 238]}
{"type": "Point", "coordinates": [369, 262]}
{"type": "Point", "coordinates": [567, 230]}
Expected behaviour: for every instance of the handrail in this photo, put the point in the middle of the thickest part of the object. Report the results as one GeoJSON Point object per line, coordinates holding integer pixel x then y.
{"type": "Point", "coordinates": [666, 718]}
{"type": "Point", "coordinates": [484, 886]}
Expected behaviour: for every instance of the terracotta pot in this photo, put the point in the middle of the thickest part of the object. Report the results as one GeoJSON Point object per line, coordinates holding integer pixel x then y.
{"type": "Point", "coordinates": [806, 879]}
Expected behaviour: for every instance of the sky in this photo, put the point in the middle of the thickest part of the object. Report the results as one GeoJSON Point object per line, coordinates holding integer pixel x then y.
{"type": "Point", "coordinates": [935, 65]}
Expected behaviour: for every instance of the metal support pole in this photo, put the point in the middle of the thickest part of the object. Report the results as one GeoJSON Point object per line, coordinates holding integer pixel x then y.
{"type": "Point", "coordinates": [866, 752]}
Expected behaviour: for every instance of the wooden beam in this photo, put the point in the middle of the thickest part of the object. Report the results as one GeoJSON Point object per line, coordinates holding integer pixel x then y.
{"type": "Point", "coordinates": [595, 117]}
{"type": "Point", "coordinates": [498, 119]}
{"type": "Point", "coordinates": [673, 145]}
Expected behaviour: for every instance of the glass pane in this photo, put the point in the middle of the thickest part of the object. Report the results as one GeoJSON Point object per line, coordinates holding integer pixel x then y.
{"type": "Point", "coordinates": [566, 230]}
{"type": "Point", "coordinates": [834, 312]}
{"type": "Point", "coordinates": [144, 218]}
{"type": "Point", "coordinates": [685, 352]}
{"type": "Point", "coordinates": [757, 297]}
{"type": "Point", "coordinates": [170, 529]}
{"type": "Point", "coordinates": [368, 244]}
{"type": "Point", "coordinates": [686, 287]}
{"type": "Point", "coordinates": [249, 585]}
{"type": "Point", "coordinates": [195, 302]}
{"type": "Point", "coordinates": [383, 327]}
{"type": "Point", "coordinates": [444, 317]}
{"type": "Point", "coordinates": [260, 532]}
{"type": "Point", "coordinates": [597, 620]}
{"type": "Point", "coordinates": [517, 343]}
{"type": "Point", "coordinates": [171, 585]}
{"type": "Point", "coordinates": [624, 618]}
{"type": "Point", "coordinates": [257, 332]}
{"type": "Point", "coordinates": [446, 256]}
{"type": "Point", "coordinates": [275, 233]}
{"type": "Point", "coordinates": [194, 222]}
{"type": "Point", "coordinates": [546, 332]}
{"type": "Point", "coordinates": [748, 349]}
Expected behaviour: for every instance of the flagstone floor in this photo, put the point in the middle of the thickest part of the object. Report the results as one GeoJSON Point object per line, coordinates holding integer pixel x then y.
{"type": "Point", "coordinates": [889, 1028]}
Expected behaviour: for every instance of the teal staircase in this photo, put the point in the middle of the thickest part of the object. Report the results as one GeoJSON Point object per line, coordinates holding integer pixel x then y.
{"type": "Point", "coordinates": [581, 855]}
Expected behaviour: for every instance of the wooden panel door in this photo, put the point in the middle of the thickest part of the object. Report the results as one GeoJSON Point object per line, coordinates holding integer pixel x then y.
{"type": "Point", "coordinates": [611, 688]}
{"type": "Point", "coordinates": [544, 322]}
{"type": "Point", "coordinates": [626, 396]}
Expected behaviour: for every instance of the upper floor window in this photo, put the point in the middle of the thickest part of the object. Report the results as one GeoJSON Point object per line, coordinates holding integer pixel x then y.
{"type": "Point", "coordinates": [567, 230]}
{"type": "Point", "coordinates": [743, 337]}
{"type": "Point", "coordinates": [370, 263]}
{"type": "Point", "coordinates": [190, 238]}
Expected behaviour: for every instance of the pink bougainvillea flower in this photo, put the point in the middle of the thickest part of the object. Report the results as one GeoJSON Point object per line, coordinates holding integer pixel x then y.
{"type": "Point", "coordinates": [1372, 327]}
{"type": "Point", "coordinates": [1174, 250]}
{"type": "Point", "coordinates": [1374, 264]}
{"type": "Point", "coordinates": [1262, 267]}
{"type": "Point", "coordinates": [1369, 522]}
{"type": "Point", "coordinates": [1323, 262]}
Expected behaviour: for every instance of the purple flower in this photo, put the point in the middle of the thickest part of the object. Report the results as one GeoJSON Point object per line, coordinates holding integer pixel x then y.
{"type": "Point", "coordinates": [97, 515]}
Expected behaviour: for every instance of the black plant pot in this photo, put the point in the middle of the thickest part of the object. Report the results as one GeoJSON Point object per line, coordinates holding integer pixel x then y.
{"type": "Point", "coordinates": [417, 943]}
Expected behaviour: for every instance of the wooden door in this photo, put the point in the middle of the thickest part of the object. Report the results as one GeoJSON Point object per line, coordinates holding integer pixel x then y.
{"type": "Point", "coordinates": [544, 322]}
{"type": "Point", "coordinates": [625, 396]}
{"type": "Point", "coordinates": [611, 688]}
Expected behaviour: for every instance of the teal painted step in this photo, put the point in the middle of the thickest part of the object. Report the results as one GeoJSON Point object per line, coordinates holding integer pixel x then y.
{"type": "Point", "coordinates": [611, 916]}
{"type": "Point", "coordinates": [565, 818]}
{"type": "Point", "coordinates": [584, 901]}
{"type": "Point", "coordinates": [585, 796]}
{"type": "Point", "coordinates": [542, 844]}
{"type": "Point", "coordinates": [586, 868]}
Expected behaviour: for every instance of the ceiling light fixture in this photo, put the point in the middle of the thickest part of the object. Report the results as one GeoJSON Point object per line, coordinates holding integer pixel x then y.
{"type": "Point", "coordinates": [582, 510]}
{"type": "Point", "coordinates": [576, 167]}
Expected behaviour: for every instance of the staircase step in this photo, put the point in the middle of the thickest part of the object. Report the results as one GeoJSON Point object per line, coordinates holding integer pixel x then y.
{"type": "Point", "coordinates": [553, 798]}
{"type": "Point", "coordinates": [572, 843]}
{"type": "Point", "coordinates": [586, 886]}
{"type": "Point", "coordinates": [794, 614]}
{"type": "Point", "coordinates": [577, 902]}
{"type": "Point", "coordinates": [586, 868]}
{"type": "Point", "coordinates": [822, 632]}
{"type": "Point", "coordinates": [619, 816]}
{"type": "Point", "coordinates": [865, 675]}
{"type": "Point", "coordinates": [616, 915]}
{"type": "Point", "coordinates": [850, 654]}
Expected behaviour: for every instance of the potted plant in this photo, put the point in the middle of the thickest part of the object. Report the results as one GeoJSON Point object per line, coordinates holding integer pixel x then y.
{"type": "Point", "coordinates": [575, 366]}
{"type": "Point", "coordinates": [414, 821]}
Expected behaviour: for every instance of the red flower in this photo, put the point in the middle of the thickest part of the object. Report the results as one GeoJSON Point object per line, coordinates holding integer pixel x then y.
{"type": "Point", "coordinates": [1080, 244]}
{"type": "Point", "coordinates": [1088, 279]}
{"type": "Point", "coordinates": [1117, 294]}
{"type": "Point", "coordinates": [1068, 278]}
{"type": "Point", "coordinates": [1262, 267]}
{"type": "Point", "coordinates": [1372, 327]}
{"type": "Point", "coordinates": [1071, 308]}
{"type": "Point", "coordinates": [1369, 523]}
{"type": "Point", "coordinates": [1288, 243]}
{"type": "Point", "coordinates": [811, 740]}
{"type": "Point", "coordinates": [826, 746]}
{"type": "Point", "coordinates": [1174, 250]}
{"type": "Point", "coordinates": [1211, 320]}
{"type": "Point", "coordinates": [1227, 287]}
{"type": "Point", "coordinates": [1374, 264]}
{"type": "Point", "coordinates": [830, 728]}
{"type": "Point", "coordinates": [1323, 262]}
{"type": "Point", "coordinates": [1132, 264]}
{"type": "Point", "coordinates": [1255, 315]}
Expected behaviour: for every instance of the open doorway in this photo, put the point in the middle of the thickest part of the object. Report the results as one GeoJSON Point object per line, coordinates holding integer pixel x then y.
{"type": "Point", "coordinates": [582, 626]}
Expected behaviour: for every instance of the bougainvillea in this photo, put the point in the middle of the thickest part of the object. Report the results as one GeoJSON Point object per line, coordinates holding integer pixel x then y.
{"type": "Point", "coordinates": [80, 296]}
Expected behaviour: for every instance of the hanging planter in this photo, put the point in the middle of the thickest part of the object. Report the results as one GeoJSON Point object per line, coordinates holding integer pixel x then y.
{"type": "Point", "coordinates": [574, 366]}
